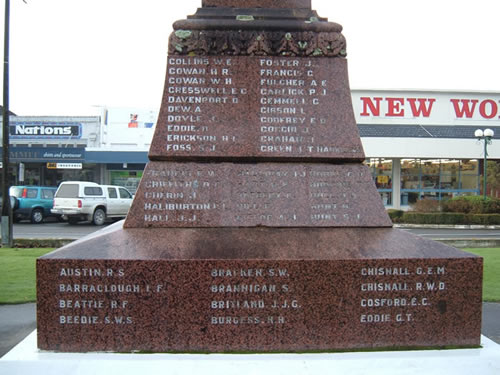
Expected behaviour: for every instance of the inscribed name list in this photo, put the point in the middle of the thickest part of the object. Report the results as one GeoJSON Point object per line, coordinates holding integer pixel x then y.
{"type": "Point", "coordinates": [250, 305]}
{"type": "Point", "coordinates": [277, 107]}
{"type": "Point", "coordinates": [264, 194]}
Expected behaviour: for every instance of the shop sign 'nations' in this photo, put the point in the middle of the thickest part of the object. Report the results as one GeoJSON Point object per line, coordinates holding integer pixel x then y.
{"type": "Point", "coordinates": [65, 130]}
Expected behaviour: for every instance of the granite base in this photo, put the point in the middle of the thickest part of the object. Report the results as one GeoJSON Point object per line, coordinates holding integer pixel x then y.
{"type": "Point", "coordinates": [257, 290]}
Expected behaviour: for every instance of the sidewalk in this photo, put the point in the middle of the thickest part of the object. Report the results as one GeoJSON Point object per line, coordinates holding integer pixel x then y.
{"type": "Point", "coordinates": [17, 321]}
{"type": "Point", "coordinates": [444, 226]}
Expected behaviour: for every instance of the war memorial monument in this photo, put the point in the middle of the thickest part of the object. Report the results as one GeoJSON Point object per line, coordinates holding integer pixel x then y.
{"type": "Point", "coordinates": [256, 227]}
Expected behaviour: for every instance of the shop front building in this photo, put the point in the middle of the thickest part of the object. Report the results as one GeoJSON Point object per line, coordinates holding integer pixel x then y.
{"type": "Point", "coordinates": [421, 144]}
{"type": "Point", "coordinates": [418, 144]}
{"type": "Point", "coordinates": [47, 150]}
{"type": "Point", "coordinates": [107, 149]}
{"type": "Point", "coordinates": [126, 135]}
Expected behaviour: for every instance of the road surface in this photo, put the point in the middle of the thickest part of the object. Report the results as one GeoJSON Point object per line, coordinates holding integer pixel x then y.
{"type": "Point", "coordinates": [456, 233]}
{"type": "Point", "coordinates": [51, 230]}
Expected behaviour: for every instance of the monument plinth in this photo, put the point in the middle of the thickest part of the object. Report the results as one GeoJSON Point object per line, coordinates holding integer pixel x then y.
{"type": "Point", "coordinates": [269, 4]}
{"type": "Point", "coordinates": [255, 226]}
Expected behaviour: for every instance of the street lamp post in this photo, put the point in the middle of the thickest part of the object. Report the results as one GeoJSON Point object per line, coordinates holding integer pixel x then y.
{"type": "Point", "coordinates": [6, 225]}
{"type": "Point", "coordinates": [485, 136]}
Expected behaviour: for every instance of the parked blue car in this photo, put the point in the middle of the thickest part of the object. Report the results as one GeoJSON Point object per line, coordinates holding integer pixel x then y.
{"type": "Point", "coordinates": [32, 202]}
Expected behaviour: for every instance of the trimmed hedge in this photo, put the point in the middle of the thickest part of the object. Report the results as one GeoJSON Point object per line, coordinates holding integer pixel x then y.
{"type": "Point", "coordinates": [426, 205]}
{"type": "Point", "coordinates": [450, 218]}
{"type": "Point", "coordinates": [473, 204]}
{"type": "Point", "coordinates": [395, 215]}
{"type": "Point", "coordinates": [463, 210]}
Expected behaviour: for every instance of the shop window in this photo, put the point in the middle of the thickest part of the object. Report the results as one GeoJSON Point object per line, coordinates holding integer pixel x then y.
{"type": "Point", "coordinates": [410, 174]}
{"type": "Point", "coordinates": [386, 198]}
{"type": "Point", "coordinates": [430, 181]}
{"type": "Point", "coordinates": [410, 182]}
{"type": "Point", "coordinates": [408, 198]}
{"type": "Point", "coordinates": [32, 174]}
{"type": "Point", "coordinates": [381, 170]}
{"type": "Point", "coordinates": [449, 182]}
{"type": "Point", "coordinates": [430, 167]}
{"type": "Point", "coordinates": [430, 170]}
{"type": "Point", "coordinates": [469, 172]}
{"type": "Point", "coordinates": [450, 175]}
{"type": "Point", "coordinates": [439, 179]}
{"type": "Point", "coordinates": [410, 166]}
{"type": "Point", "coordinates": [430, 195]}
{"type": "Point", "coordinates": [88, 173]}
{"type": "Point", "coordinates": [128, 179]}
{"type": "Point", "coordinates": [53, 177]}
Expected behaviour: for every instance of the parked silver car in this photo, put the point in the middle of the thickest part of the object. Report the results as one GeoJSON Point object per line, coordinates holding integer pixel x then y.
{"type": "Point", "coordinates": [87, 201]}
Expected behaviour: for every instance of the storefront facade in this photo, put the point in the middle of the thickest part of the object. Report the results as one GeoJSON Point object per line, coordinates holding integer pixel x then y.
{"type": "Point", "coordinates": [107, 149]}
{"type": "Point", "coordinates": [439, 179]}
{"type": "Point", "coordinates": [418, 144]}
{"type": "Point", "coordinates": [48, 150]}
{"type": "Point", "coordinates": [421, 144]}
{"type": "Point", "coordinates": [126, 135]}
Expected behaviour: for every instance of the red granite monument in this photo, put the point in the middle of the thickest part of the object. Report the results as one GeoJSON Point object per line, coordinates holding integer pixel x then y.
{"type": "Point", "coordinates": [256, 227]}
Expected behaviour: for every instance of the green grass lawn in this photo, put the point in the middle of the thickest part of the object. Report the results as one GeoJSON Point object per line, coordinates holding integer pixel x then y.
{"type": "Point", "coordinates": [491, 274]}
{"type": "Point", "coordinates": [18, 279]}
{"type": "Point", "coordinates": [17, 274]}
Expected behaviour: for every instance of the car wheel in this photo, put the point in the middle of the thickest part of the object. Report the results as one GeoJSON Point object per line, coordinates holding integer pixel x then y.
{"type": "Point", "coordinates": [72, 220]}
{"type": "Point", "coordinates": [36, 216]}
{"type": "Point", "coordinates": [99, 217]}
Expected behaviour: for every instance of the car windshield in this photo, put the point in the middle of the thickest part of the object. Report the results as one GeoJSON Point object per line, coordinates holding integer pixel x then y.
{"type": "Point", "coordinates": [67, 191]}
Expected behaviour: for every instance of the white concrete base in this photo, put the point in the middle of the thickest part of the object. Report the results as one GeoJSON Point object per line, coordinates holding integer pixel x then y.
{"type": "Point", "coordinates": [25, 358]}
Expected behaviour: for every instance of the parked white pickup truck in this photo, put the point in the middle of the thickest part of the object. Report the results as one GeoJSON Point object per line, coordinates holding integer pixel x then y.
{"type": "Point", "coordinates": [87, 201]}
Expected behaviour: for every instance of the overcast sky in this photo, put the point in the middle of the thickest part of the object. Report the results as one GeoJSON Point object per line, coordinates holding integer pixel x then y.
{"type": "Point", "coordinates": [69, 56]}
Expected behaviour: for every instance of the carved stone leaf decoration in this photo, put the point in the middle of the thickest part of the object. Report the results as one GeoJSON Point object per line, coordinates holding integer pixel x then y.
{"type": "Point", "coordinates": [288, 46]}
{"type": "Point", "coordinates": [257, 43]}
{"type": "Point", "coordinates": [331, 44]}
{"type": "Point", "coordinates": [307, 42]}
